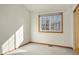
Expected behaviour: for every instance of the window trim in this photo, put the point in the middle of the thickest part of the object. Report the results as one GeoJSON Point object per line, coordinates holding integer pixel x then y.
{"type": "Point", "coordinates": [58, 13]}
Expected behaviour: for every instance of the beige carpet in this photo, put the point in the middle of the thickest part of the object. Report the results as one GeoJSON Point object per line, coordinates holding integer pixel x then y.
{"type": "Point", "coordinates": [39, 49]}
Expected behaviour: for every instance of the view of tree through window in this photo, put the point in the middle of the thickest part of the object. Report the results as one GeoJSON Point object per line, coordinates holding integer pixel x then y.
{"type": "Point", "coordinates": [51, 22]}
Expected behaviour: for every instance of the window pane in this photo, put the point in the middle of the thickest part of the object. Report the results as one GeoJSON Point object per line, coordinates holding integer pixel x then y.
{"type": "Point", "coordinates": [51, 23]}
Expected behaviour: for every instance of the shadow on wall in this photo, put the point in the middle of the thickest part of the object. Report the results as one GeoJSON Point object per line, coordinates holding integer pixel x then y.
{"type": "Point", "coordinates": [14, 41]}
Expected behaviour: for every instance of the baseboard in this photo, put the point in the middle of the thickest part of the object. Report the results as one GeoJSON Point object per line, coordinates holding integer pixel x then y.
{"type": "Point", "coordinates": [39, 43]}
{"type": "Point", "coordinates": [53, 45]}
{"type": "Point", "coordinates": [24, 44]}
{"type": "Point", "coordinates": [7, 52]}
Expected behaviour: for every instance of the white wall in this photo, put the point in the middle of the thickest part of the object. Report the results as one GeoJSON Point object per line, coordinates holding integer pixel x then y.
{"type": "Point", "coordinates": [14, 26]}
{"type": "Point", "coordinates": [63, 39]}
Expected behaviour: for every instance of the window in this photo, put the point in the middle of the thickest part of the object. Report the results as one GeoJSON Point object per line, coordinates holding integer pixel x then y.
{"type": "Point", "coordinates": [51, 23]}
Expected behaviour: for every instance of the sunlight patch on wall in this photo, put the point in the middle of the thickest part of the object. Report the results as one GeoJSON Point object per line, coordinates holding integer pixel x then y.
{"type": "Point", "coordinates": [14, 41]}
{"type": "Point", "coordinates": [8, 45]}
{"type": "Point", "coordinates": [19, 36]}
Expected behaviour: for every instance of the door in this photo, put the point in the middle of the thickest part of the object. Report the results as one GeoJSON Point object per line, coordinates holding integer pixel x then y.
{"type": "Point", "coordinates": [76, 29]}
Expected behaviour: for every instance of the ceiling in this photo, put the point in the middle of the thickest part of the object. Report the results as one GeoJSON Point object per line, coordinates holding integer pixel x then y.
{"type": "Point", "coordinates": [47, 7]}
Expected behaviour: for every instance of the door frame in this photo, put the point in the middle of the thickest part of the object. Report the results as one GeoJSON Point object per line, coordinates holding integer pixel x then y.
{"type": "Point", "coordinates": [74, 36]}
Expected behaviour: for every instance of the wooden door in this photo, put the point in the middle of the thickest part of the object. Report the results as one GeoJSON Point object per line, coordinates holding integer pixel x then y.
{"type": "Point", "coordinates": [76, 29]}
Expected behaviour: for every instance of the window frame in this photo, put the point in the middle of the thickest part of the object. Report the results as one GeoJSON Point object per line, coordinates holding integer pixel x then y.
{"type": "Point", "coordinates": [51, 14]}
